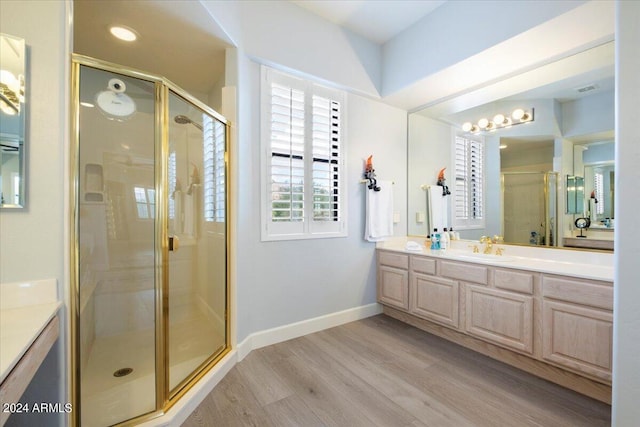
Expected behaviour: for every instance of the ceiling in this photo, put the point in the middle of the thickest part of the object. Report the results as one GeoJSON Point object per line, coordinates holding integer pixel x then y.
{"type": "Point", "coordinates": [169, 41]}
{"type": "Point", "coordinates": [174, 39]}
{"type": "Point", "coordinates": [376, 20]}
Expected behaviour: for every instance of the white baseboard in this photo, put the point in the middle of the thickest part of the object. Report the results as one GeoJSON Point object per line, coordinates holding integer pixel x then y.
{"type": "Point", "coordinates": [190, 401]}
{"type": "Point", "coordinates": [304, 327]}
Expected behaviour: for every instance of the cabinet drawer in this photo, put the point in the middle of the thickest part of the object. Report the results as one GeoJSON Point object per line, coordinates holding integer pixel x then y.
{"type": "Point", "coordinates": [393, 259]}
{"type": "Point", "coordinates": [466, 272]}
{"type": "Point", "coordinates": [433, 298]}
{"type": "Point", "coordinates": [393, 287]}
{"type": "Point", "coordinates": [504, 318]}
{"type": "Point", "coordinates": [423, 265]}
{"type": "Point", "coordinates": [513, 281]}
{"type": "Point", "coordinates": [593, 293]}
{"type": "Point", "coordinates": [577, 337]}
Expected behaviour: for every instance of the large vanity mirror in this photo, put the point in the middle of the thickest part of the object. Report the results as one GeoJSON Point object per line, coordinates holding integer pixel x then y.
{"type": "Point", "coordinates": [12, 121]}
{"type": "Point", "coordinates": [532, 127]}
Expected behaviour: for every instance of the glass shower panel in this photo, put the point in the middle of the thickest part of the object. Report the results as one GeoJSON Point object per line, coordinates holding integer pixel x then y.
{"type": "Point", "coordinates": [116, 247]}
{"type": "Point", "coordinates": [523, 208]}
{"type": "Point", "coordinates": [529, 206]}
{"type": "Point", "coordinates": [197, 224]}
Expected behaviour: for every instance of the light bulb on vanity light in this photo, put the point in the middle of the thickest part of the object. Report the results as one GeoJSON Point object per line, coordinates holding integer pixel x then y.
{"type": "Point", "coordinates": [483, 123]}
{"type": "Point", "coordinates": [520, 115]}
{"type": "Point", "coordinates": [469, 127]}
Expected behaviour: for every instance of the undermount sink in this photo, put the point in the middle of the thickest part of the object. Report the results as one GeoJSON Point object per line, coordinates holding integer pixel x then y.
{"type": "Point", "coordinates": [483, 257]}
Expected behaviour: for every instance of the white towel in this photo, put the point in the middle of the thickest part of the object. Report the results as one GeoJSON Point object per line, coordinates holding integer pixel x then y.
{"type": "Point", "coordinates": [437, 208]}
{"type": "Point", "coordinates": [379, 212]}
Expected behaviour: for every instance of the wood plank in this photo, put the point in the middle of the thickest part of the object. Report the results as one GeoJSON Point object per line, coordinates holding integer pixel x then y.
{"type": "Point", "coordinates": [579, 383]}
{"type": "Point", "coordinates": [382, 372]}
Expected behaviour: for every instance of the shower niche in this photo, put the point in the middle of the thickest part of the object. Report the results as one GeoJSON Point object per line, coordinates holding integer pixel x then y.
{"type": "Point", "coordinates": [150, 291]}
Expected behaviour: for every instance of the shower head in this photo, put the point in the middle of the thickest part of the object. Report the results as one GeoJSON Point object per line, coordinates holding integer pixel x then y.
{"type": "Point", "coordinates": [183, 120]}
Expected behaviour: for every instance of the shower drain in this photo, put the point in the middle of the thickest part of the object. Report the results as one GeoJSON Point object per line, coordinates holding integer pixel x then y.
{"type": "Point", "coordinates": [122, 372]}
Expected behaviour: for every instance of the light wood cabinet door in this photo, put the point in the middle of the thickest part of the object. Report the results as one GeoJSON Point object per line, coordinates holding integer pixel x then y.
{"type": "Point", "coordinates": [434, 298]}
{"type": "Point", "coordinates": [393, 286]}
{"type": "Point", "coordinates": [578, 337]}
{"type": "Point", "coordinates": [504, 318]}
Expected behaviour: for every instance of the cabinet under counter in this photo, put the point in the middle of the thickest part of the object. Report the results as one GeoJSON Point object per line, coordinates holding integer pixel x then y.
{"type": "Point", "coordinates": [510, 314]}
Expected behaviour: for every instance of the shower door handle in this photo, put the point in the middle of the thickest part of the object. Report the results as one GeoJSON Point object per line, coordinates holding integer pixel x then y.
{"type": "Point", "coordinates": [174, 243]}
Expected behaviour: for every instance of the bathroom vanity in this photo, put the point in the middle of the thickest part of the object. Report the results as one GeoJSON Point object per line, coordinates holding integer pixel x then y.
{"type": "Point", "coordinates": [29, 326]}
{"type": "Point", "coordinates": [546, 311]}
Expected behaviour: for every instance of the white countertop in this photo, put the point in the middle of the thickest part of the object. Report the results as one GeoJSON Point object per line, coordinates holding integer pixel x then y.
{"type": "Point", "coordinates": [583, 264]}
{"type": "Point", "coordinates": [25, 310]}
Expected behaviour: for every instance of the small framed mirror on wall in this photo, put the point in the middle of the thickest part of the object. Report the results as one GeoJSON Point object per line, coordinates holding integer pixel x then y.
{"type": "Point", "coordinates": [12, 121]}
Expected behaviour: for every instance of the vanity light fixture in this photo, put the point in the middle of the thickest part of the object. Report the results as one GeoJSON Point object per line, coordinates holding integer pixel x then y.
{"type": "Point", "coordinates": [123, 33]}
{"type": "Point", "coordinates": [469, 127]}
{"type": "Point", "coordinates": [500, 121]}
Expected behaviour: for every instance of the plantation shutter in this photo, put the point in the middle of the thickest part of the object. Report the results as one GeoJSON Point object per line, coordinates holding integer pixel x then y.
{"type": "Point", "coordinates": [214, 169]}
{"type": "Point", "coordinates": [598, 183]}
{"type": "Point", "coordinates": [469, 184]}
{"type": "Point", "coordinates": [462, 188]}
{"type": "Point", "coordinates": [304, 165]}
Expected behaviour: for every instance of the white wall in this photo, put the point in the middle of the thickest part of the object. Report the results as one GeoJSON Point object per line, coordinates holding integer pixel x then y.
{"type": "Point", "coordinates": [626, 322]}
{"type": "Point", "coordinates": [279, 283]}
{"type": "Point", "coordinates": [451, 34]}
{"type": "Point", "coordinates": [462, 45]}
{"type": "Point", "coordinates": [284, 34]}
{"type": "Point", "coordinates": [429, 144]}
{"type": "Point", "coordinates": [33, 244]}
{"type": "Point", "coordinates": [589, 115]}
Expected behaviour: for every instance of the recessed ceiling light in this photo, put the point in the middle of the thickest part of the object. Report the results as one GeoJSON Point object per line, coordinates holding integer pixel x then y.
{"type": "Point", "coordinates": [123, 33]}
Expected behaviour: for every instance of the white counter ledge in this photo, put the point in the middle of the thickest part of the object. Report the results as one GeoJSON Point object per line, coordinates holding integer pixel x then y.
{"type": "Point", "coordinates": [582, 264]}
{"type": "Point", "coordinates": [25, 311]}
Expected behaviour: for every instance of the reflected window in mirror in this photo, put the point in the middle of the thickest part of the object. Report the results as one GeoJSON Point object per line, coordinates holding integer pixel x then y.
{"type": "Point", "coordinates": [598, 159]}
{"type": "Point", "coordinates": [12, 121]}
{"type": "Point", "coordinates": [469, 182]}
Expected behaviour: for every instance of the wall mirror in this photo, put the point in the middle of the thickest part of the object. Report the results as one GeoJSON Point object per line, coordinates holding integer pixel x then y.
{"type": "Point", "coordinates": [525, 167]}
{"type": "Point", "coordinates": [599, 177]}
{"type": "Point", "coordinates": [12, 121]}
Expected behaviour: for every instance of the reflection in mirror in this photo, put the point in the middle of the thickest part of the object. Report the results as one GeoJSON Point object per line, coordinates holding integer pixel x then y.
{"type": "Point", "coordinates": [575, 194]}
{"type": "Point", "coordinates": [599, 179]}
{"type": "Point", "coordinates": [574, 108]}
{"type": "Point", "coordinates": [12, 120]}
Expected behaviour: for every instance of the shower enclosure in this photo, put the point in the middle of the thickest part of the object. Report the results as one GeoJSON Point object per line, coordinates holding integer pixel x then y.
{"type": "Point", "coordinates": [150, 291]}
{"type": "Point", "coordinates": [530, 208]}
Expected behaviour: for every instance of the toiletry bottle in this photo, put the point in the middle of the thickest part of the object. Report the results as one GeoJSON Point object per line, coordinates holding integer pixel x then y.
{"type": "Point", "coordinates": [444, 239]}
{"type": "Point", "coordinates": [435, 240]}
{"type": "Point", "coordinates": [452, 234]}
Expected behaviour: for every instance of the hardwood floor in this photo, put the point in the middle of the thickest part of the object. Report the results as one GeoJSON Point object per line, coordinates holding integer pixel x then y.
{"type": "Point", "coordinates": [382, 372]}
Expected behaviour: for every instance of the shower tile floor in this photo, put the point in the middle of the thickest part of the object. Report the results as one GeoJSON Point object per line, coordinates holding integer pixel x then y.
{"type": "Point", "coordinates": [107, 399]}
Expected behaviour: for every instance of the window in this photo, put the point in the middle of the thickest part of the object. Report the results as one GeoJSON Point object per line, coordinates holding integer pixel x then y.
{"type": "Point", "coordinates": [598, 183]}
{"type": "Point", "coordinates": [145, 202]}
{"type": "Point", "coordinates": [214, 137]}
{"type": "Point", "coordinates": [469, 183]}
{"type": "Point", "coordinates": [303, 146]}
